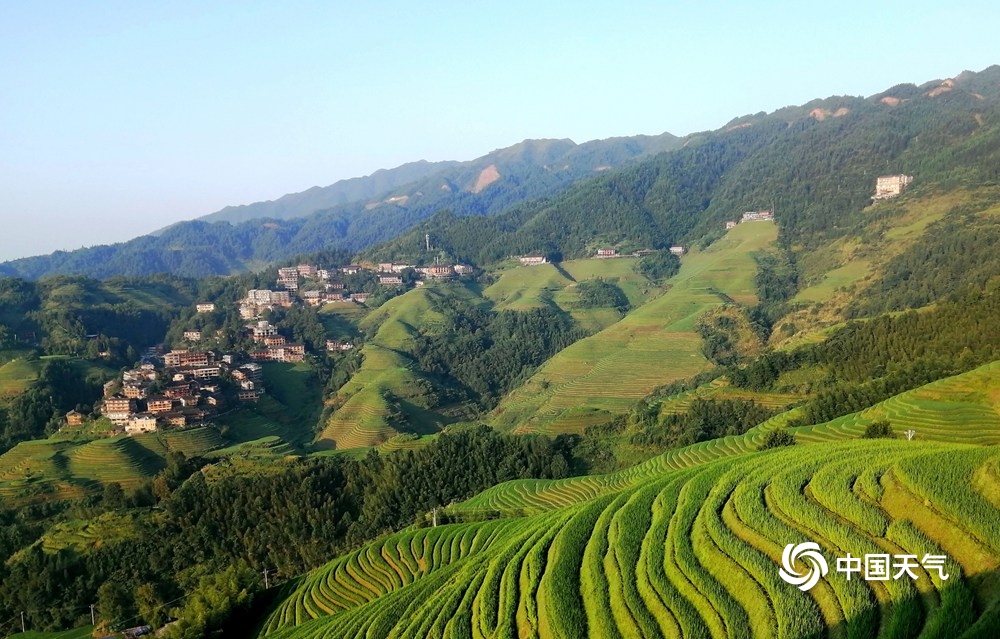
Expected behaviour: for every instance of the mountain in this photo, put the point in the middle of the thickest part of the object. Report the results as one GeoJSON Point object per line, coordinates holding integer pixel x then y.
{"type": "Point", "coordinates": [814, 164]}
{"type": "Point", "coordinates": [485, 186]}
{"type": "Point", "coordinates": [324, 197]}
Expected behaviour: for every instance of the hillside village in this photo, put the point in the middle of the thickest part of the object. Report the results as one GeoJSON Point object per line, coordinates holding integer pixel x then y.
{"type": "Point", "coordinates": [187, 386]}
{"type": "Point", "coordinates": [183, 387]}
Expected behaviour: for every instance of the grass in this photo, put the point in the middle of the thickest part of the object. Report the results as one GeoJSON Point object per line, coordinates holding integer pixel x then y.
{"type": "Point", "coordinates": [16, 376]}
{"type": "Point", "coordinates": [590, 374]}
{"type": "Point", "coordinates": [388, 395]}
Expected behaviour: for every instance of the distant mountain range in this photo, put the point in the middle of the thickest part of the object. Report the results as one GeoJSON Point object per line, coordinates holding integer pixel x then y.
{"type": "Point", "coordinates": [352, 214]}
{"type": "Point", "coordinates": [816, 164]}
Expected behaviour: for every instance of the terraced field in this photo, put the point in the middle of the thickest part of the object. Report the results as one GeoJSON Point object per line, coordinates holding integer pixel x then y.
{"type": "Point", "coordinates": [962, 408]}
{"type": "Point", "coordinates": [548, 285]}
{"type": "Point", "coordinates": [692, 552]}
{"type": "Point", "coordinates": [16, 376]}
{"type": "Point", "coordinates": [582, 384]}
{"type": "Point", "coordinates": [67, 468]}
{"type": "Point", "coordinates": [388, 389]}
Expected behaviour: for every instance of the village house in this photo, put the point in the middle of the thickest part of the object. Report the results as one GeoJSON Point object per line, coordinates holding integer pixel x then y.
{"type": "Point", "coordinates": [607, 252]}
{"type": "Point", "coordinates": [463, 269]}
{"type": "Point", "coordinates": [192, 336]}
{"type": "Point", "coordinates": [385, 267]}
{"type": "Point", "coordinates": [274, 340]}
{"type": "Point", "coordinates": [758, 216]}
{"type": "Point", "coordinates": [176, 419]}
{"type": "Point", "coordinates": [439, 272]}
{"type": "Point", "coordinates": [313, 298]}
{"type": "Point", "coordinates": [176, 391]}
{"type": "Point", "coordinates": [141, 423]}
{"type": "Point", "coordinates": [333, 297]}
{"type": "Point", "coordinates": [210, 371]}
{"type": "Point", "coordinates": [159, 404]}
{"type": "Point", "coordinates": [250, 395]}
{"type": "Point", "coordinates": [119, 409]}
{"type": "Point", "coordinates": [205, 308]}
{"type": "Point", "coordinates": [335, 286]}
{"type": "Point", "coordinates": [351, 269]}
{"type": "Point", "coordinates": [249, 311]}
{"type": "Point", "coordinates": [146, 372]}
{"type": "Point", "coordinates": [360, 298]}
{"type": "Point", "coordinates": [643, 252]}
{"type": "Point", "coordinates": [731, 225]}
{"type": "Point", "coordinates": [677, 250]}
{"type": "Point", "coordinates": [399, 268]}
{"type": "Point", "coordinates": [323, 274]}
{"type": "Point", "coordinates": [889, 186]}
{"type": "Point", "coordinates": [133, 390]}
{"type": "Point", "coordinates": [533, 260]}
{"type": "Point", "coordinates": [262, 330]}
{"type": "Point", "coordinates": [338, 345]}
{"type": "Point", "coordinates": [306, 270]}
{"type": "Point", "coordinates": [390, 280]}
{"type": "Point", "coordinates": [74, 418]}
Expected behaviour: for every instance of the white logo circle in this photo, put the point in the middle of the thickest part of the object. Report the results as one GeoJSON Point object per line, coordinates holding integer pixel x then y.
{"type": "Point", "coordinates": [810, 554]}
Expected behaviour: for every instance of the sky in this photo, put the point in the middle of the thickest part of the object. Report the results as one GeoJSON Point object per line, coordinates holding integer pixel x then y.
{"type": "Point", "coordinates": [119, 118]}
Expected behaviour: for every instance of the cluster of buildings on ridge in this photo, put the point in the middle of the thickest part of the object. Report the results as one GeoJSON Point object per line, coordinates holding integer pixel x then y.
{"type": "Point", "coordinates": [176, 389]}
{"type": "Point", "coordinates": [327, 288]}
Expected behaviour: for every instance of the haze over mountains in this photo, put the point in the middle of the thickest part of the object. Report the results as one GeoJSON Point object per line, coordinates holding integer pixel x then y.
{"type": "Point", "coordinates": [352, 214]}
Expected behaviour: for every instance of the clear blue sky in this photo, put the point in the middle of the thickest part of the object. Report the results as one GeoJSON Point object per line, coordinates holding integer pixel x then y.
{"type": "Point", "coordinates": [118, 118]}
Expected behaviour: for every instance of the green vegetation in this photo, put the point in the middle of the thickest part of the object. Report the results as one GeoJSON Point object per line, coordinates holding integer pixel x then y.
{"type": "Point", "coordinates": [209, 527]}
{"type": "Point", "coordinates": [603, 375]}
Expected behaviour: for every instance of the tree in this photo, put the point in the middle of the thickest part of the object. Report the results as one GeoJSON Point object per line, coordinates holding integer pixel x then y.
{"type": "Point", "coordinates": [880, 429]}
{"type": "Point", "coordinates": [114, 602]}
{"type": "Point", "coordinates": [151, 605]}
{"type": "Point", "coordinates": [776, 439]}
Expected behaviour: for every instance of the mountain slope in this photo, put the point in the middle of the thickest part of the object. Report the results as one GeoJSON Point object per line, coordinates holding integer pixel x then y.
{"type": "Point", "coordinates": [606, 373]}
{"type": "Point", "coordinates": [691, 545]}
{"type": "Point", "coordinates": [815, 165]}
{"type": "Point", "coordinates": [324, 197]}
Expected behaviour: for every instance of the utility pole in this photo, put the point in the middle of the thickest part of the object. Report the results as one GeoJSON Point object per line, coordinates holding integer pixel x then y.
{"type": "Point", "coordinates": [23, 629]}
{"type": "Point", "coordinates": [93, 620]}
{"type": "Point", "coordinates": [427, 241]}
{"type": "Point", "coordinates": [266, 584]}
{"type": "Point", "coordinates": [434, 513]}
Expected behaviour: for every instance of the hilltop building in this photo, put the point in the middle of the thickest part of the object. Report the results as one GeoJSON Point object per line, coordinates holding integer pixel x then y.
{"type": "Point", "coordinates": [889, 186]}
{"type": "Point", "coordinates": [532, 260]}
{"type": "Point", "coordinates": [758, 216]}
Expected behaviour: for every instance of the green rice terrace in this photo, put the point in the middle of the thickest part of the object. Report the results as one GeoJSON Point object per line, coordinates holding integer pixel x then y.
{"type": "Point", "coordinates": [690, 543]}
{"type": "Point", "coordinates": [582, 385]}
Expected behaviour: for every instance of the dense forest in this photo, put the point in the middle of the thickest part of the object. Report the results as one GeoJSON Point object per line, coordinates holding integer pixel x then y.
{"type": "Point", "coordinates": [866, 362]}
{"type": "Point", "coordinates": [206, 539]}
{"type": "Point", "coordinates": [487, 353]}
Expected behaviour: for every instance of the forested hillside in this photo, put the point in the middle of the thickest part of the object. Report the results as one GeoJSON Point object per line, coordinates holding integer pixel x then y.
{"type": "Point", "coordinates": [815, 165]}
